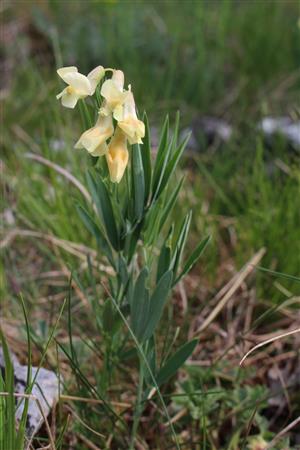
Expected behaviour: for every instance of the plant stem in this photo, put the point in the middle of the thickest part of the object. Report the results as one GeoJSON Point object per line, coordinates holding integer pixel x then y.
{"type": "Point", "coordinates": [138, 407]}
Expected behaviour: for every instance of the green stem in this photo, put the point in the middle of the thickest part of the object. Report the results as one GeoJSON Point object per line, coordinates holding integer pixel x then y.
{"type": "Point", "coordinates": [138, 407]}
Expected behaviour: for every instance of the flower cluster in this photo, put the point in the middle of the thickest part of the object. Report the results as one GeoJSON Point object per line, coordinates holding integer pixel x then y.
{"type": "Point", "coordinates": [118, 107]}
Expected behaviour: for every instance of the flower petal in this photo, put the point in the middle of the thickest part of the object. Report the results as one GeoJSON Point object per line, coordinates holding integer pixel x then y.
{"type": "Point", "coordinates": [97, 135]}
{"type": "Point", "coordinates": [78, 82]}
{"type": "Point", "coordinates": [134, 130]}
{"type": "Point", "coordinates": [101, 150]}
{"type": "Point", "coordinates": [95, 76]}
{"type": "Point", "coordinates": [68, 99]}
{"type": "Point", "coordinates": [66, 70]}
{"type": "Point", "coordinates": [118, 112]}
{"type": "Point", "coordinates": [117, 156]}
{"type": "Point", "coordinates": [129, 123]}
{"type": "Point", "coordinates": [60, 94]}
{"type": "Point", "coordinates": [118, 79]}
{"type": "Point", "coordinates": [112, 94]}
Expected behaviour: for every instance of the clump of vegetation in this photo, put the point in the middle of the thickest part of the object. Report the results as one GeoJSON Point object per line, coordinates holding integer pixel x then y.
{"type": "Point", "coordinates": [93, 238]}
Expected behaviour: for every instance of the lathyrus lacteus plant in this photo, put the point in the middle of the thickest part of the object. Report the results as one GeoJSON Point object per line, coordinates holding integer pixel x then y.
{"type": "Point", "coordinates": [133, 197]}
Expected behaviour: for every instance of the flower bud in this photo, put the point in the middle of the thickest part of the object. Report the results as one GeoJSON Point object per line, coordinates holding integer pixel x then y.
{"type": "Point", "coordinates": [117, 156]}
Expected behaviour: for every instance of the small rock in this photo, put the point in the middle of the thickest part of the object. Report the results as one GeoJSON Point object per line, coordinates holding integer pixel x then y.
{"type": "Point", "coordinates": [205, 131]}
{"type": "Point", "coordinates": [192, 144]}
{"type": "Point", "coordinates": [57, 145]}
{"type": "Point", "coordinates": [285, 126]}
{"type": "Point", "coordinates": [45, 390]}
{"type": "Point", "coordinates": [9, 217]}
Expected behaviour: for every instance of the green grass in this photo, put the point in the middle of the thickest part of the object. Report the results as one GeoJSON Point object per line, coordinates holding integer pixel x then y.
{"type": "Point", "coordinates": [218, 57]}
{"type": "Point", "coordinates": [225, 58]}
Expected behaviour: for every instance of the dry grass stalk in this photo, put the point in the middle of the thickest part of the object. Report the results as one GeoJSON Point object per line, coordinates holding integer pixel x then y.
{"type": "Point", "coordinates": [79, 250]}
{"type": "Point", "coordinates": [268, 341]}
{"type": "Point", "coordinates": [282, 433]}
{"type": "Point", "coordinates": [242, 275]}
{"type": "Point", "coordinates": [61, 171]}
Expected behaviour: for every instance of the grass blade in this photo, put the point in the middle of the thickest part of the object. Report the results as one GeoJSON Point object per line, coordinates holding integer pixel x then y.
{"type": "Point", "coordinates": [169, 206]}
{"type": "Point", "coordinates": [171, 166]}
{"type": "Point", "coordinates": [138, 182]}
{"type": "Point", "coordinates": [160, 157]}
{"type": "Point", "coordinates": [193, 258]}
{"type": "Point", "coordinates": [146, 158]}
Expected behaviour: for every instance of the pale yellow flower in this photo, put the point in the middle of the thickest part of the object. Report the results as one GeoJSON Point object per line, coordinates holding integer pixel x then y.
{"type": "Point", "coordinates": [133, 128]}
{"type": "Point", "coordinates": [79, 86]}
{"type": "Point", "coordinates": [95, 76]}
{"type": "Point", "coordinates": [257, 443]}
{"type": "Point", "coordinates": [114, 95]}
{"type": "Point", "coordinates": [117, 156]}
{"type": "Point", "coordinates": [94, 139]}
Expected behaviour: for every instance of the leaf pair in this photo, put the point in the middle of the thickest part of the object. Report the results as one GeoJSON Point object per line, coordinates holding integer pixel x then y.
{"type": "Point", "coordinates": [147, 310]}
{"type": "Point", "coordinates": [171, 259]}
{"type": "Point", "coordinates": [168, 156]}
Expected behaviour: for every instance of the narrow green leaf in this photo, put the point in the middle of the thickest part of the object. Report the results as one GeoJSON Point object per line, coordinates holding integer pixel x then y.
{"type": "Point", "coordinates": [157, 303]}
{"type": "Point", "coordinates": [151, 224]}
{"type": "Point", "coordinates": [278, 274]}
{"type": "Point", "coordinates": [161, 151]}
{"type": "Point", "coordinates": [22, 423]}
{"type": "Point", "coordinates": [104, 206]}
{"type": "Point", "coordinates": [146, 157]}
{"type": "Point", "coordinates": [169, 206]}
{"type": "Point", "coordinates": [96, 232]}
{"type": "Point", "coordinates": [3, 410]}
{"type": "Point", "coordinates": [134, 240]}
{"type": "Point", "coordinates": [176, 361]}
{"type": "Point", "coordinates": [145, 361]}
{"type": "Point", "coordinates": [10, 400]}
{"type": "Point", "coordinates": [165, 256]}
{"type": "Point", "coordinates": [138, 182]}
{"type": "Point", "coordinates": [130, 291]}
{"type": "Point", "coordinates": [171, 166]}
{"type": "Point", "coordinates": [139, 307]}
{"type": "Point", "coordinates": [157, 182]}
{"type": "Point", "coordinates": [85, 382]}
{"type": "Point", "coordinates": [181, 240]}
{"type": "Point", "coordinates": [193, 258]}
{"type": "Point", "coordinates": [150, 353]}
{"type": "Point", "coordinates": [176, 130]}
{"type": "Point", "coordinates": [108, 316]}
{"type": "Point", "coordinates": [122, 271]}
{"type": "Point", "coordinates": [163, 262]}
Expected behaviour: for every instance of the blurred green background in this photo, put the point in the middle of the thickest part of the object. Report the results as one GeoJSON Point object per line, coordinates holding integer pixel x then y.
{"type": "Point", "coordinates": [234, 60]}
{"type": "Point", "coordinates": [233, 57]}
